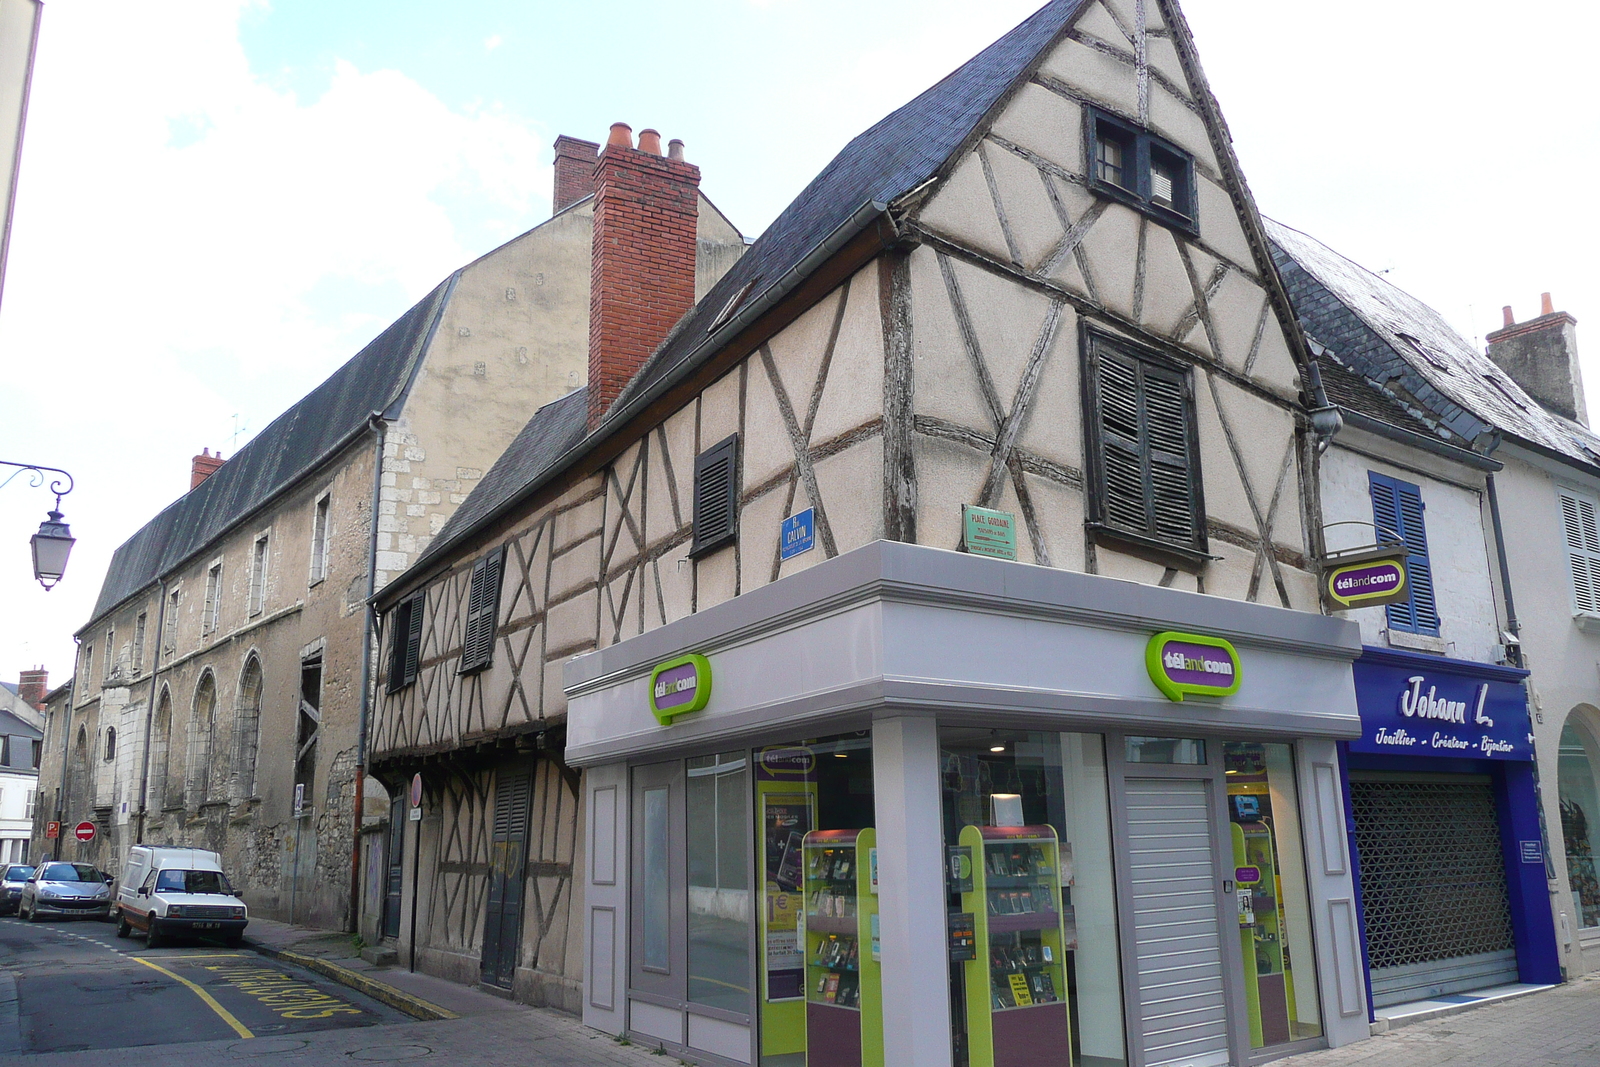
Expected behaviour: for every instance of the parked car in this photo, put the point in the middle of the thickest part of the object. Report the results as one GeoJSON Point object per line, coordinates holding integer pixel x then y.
{"type": "Point", "coordinates": [11, 886]}
{"type": "Point", "coordinates": [69, 890]}
{"type": "Point", "coordinates": [171, 892]}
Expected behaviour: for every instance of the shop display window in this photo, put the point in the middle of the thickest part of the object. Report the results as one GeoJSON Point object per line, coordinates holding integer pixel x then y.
{"type": "Point", "coordinates": [719, 881]}
{"type": "Point", "coordinates": [1036, 973]}
{"type": "Point", "coordinates": [817, 972]}
{"type": "Point", "coordinates": [1270, 875]}
{"type": "Point", "coordinates": [1580, 819]}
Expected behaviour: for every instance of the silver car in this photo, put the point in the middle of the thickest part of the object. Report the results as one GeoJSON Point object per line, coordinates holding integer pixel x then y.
{"type": "Point", "coordinates": [76, 890]}
{"type": "Point", "coordinates": [11, 886]}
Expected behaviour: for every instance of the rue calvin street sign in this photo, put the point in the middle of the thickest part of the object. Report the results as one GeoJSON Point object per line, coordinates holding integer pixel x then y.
{"type": "Point", "coordinates": [679, 686]}
{"type": "Point", "coordinates": [1192, 665]}
{"type": "Point", "coordinates": [988, 533]}
{"type": "Point", "coordinates": [1366, 578]}
{"type": "Point", "coordinates": [798, 534]}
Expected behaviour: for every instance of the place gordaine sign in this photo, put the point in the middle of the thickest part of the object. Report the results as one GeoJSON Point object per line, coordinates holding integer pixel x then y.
{"type": "Point", "coordinates": [1193, 665]}
{"type": "Point", "coordinates": [1412, 709]}
{"type": "Point", "coordinates": [679, 686]}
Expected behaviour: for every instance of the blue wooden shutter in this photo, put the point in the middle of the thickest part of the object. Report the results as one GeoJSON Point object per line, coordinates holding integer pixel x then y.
{"type": "Point", "coordinates": [1397, 510]}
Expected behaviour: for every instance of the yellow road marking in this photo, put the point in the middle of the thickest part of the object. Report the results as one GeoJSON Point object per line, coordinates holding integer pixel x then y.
{"type": "Point", "coordinates": [209, 956]}
{"type": "Point", "coordinates": [211, 1001]}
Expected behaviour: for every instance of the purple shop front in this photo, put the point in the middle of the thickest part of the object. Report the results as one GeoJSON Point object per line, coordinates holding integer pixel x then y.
{"type": "Point", "coordinates": [1441, 790]}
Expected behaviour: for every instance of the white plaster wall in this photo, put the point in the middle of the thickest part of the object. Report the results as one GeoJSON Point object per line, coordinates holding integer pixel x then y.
{"type": "Point", "coordinates": [1564, 659]}
{"type": "Point", "coordinates": [1459, 545]}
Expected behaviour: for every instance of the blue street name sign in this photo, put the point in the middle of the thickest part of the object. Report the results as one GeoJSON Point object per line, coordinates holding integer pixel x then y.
{"type": "Point", "coordinates": [799, 534]}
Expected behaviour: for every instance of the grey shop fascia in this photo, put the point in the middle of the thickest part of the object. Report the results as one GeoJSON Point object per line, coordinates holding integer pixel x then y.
{"type": "Point", "coordinates": [897, 641]}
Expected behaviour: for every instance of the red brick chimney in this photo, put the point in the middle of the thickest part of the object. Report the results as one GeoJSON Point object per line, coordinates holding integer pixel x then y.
{"type": "Point", "coordinates": [33, 685]}
{"type": "Point", "coordinates": [575, 162]}
{"type": "Point", "coordinates": [204, 466]}
{"type": "Point", "coordinates": [642, 274]}
{"type": "Point", "coordinates": [1541, 355]}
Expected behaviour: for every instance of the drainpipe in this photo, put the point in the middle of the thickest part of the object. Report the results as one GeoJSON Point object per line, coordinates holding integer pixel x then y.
{"type": "Point", "coordinates": [1513, 652]}
{"type": "Point", "coordinates": [150, 716]}
{"type": "Point", "coordinates": [380, 428]}
{"type": "Point", "coordinates": [66, 743]}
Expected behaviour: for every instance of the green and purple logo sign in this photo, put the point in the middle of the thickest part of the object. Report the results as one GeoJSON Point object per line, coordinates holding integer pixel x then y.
{"type": "Point", "coordinates": [679, 686]}
{"type": "Point", "coordinates": [1192, 665]}
{"type": "Point", "coordinates": [1368, 583]}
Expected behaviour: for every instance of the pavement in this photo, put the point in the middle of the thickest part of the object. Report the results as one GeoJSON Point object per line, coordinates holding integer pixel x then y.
{"type": "Point", "coordinates": [1559, 1027]}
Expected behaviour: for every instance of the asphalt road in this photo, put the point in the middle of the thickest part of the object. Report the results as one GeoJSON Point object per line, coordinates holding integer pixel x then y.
{"type": "Point", "coordinates": [73, 985]}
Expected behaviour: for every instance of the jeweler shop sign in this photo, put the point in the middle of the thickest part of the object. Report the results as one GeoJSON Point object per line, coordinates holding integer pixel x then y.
{"type": "Point", "coordinates": [1427, 706]}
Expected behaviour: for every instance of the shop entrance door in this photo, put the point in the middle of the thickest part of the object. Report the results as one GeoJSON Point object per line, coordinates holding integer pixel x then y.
{"type": "Point", "coordinates": [1177, 929]}
{"type": "Point", "coordinates": [1433, 884]}
{"type": "Point", "coordinates": [502, 929]}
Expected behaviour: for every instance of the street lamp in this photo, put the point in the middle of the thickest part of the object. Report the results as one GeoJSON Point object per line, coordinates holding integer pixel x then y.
{"type": "Point", "coordinates": [53, 543]}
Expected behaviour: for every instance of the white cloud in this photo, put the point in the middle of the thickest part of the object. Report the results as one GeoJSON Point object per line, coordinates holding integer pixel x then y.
{"type": "Point", "coordinates": [492, 42]}
{"type": "Point", "coordinates": [191, 243]}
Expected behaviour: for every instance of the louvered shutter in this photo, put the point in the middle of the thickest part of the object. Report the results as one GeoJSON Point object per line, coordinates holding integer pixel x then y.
{"type": "Point", "coordinates": [716, 496]}
{"type": "Point", "coordinates": [413, 641]}
{"type": "Point", "coordinates": [1397, 509]}
{"type": "Point", "coordinates": [400, 621]}
{"type": "Point", "coordinates": [1166, 419]}
{"type": "Point", "coordinates": [483, 606]}
{"type": "Point", "coordinates": [1148, 470]}
{"type": "Point", "coordinates": [1122, 449]}
{"type": "Point", "coordinates": [1583, 551]}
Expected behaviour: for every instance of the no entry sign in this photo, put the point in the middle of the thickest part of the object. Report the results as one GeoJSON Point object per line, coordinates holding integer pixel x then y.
{"type": "Point", "coordinates": [84, 831]}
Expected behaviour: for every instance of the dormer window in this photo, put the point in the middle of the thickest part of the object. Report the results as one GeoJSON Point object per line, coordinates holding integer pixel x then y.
{"type": "Point", "coordinates": [1146, 172]}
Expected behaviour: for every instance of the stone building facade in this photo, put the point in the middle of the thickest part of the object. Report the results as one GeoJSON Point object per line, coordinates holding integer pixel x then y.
{"type": "Point", "coordinates": [221, 688]}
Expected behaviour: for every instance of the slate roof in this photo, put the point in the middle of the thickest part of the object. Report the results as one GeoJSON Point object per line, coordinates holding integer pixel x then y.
{"type": "Point", "coordinates": [1360, 394]}
{"type": "Point", "coordinates": [1389, 336]}
{"type": "Point", "coordinates": [294, 443]}
{"type": "Point", "coordinates": [892, 158]}
{"type": "Point", "coordinates": [554, 429]}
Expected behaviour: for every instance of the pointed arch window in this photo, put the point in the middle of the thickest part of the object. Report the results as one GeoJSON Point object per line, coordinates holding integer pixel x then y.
{"type": "Point", "coordinates": [202, 732]}
{"type": "Point", "coordinates": [160, 747]}
{"type": "Point", "coordinates": [247, 727]}
{"type": "Point", "coordinates": [1579, 791]}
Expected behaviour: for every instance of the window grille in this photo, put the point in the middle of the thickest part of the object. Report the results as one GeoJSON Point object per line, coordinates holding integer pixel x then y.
{"type": "Point", "coordinates": [319, 541]}
{"type": "Point", "coordinates": [258, 576]}
{"type": "Point", "coordinates": [213, 605]}
{"type": "Point", "coordinates": [138, 644]}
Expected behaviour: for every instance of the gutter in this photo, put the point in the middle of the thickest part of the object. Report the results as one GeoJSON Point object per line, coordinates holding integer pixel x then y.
{"type": "Point", "coordinates": [66, 740]}
{"type": "Point", "coordinates": [631, 406]}
{"type": "Point", "coordinates": [1411, 439]}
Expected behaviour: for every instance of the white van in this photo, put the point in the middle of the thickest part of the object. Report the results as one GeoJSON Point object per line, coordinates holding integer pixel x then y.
{"type": "Point", "coordinates": [169, 892]}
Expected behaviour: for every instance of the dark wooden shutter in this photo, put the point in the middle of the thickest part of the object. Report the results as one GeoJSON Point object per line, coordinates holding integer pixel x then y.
{"type": "Point", "coordinates": [1148, 473]}
{"type": "Point", "coordinates": [1167, 439]}
{"type": "Point", "coordinates": [716, 496]}
{"type": "Point", "coordinates": [413, 639]}
{"type": "Point", "coordinates": [400, 631]}
{"type": "Point", "coordinates": [1397, 510]}
{"type": "Point", "coordinates": [502, 932]}
{"type": "Point", "coordinates": [483, 606]}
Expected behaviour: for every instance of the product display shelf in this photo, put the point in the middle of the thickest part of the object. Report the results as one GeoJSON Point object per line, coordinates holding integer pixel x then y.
{"type": "Point", "coordinates": [1016, 984]}
{"type": "Point", "coordinates": [1268, 992]}
{"type": "Point", "coordinates": [844, 1007]}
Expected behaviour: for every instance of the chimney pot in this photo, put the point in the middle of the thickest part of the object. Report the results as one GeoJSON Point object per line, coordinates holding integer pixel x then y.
{"type": "Point", "coordinates": [621, 135]}
{"type": "Point", "coordinates": [650, 141]}
{"type": "Point", "coordinates": [1545, 306]}
{"type": "Point", "coordinates": [1505, 313]}
{"type": "Point", "coordinates": [1541, 355]}
{"type": "Point", "coordinates": [203, 466]}
{"type": "Point", "coordinates": [675, 150]}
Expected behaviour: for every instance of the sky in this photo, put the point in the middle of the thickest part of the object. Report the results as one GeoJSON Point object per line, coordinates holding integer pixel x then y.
{"type": "Point", "coordinates": [222, 200]}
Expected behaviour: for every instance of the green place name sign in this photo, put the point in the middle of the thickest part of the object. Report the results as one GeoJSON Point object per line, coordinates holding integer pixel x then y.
{"type": "Point", "coordinates": [679, 686]}
{"type": "Point", "coordinates": [988, 533]}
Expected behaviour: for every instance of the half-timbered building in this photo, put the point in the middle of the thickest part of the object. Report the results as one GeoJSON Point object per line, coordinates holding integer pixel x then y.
{"type": "Point", "coordinates": [1030, 315]}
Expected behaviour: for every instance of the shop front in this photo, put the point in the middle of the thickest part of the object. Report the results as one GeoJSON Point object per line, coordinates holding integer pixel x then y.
{"type": "Point", "coordinates": [1450, 856]}
{"type": "Point", "coordinates": [917, 807]}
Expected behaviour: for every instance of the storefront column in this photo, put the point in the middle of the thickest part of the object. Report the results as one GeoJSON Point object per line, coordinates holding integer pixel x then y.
{"type": "Point", "coordinates": [911, 894]}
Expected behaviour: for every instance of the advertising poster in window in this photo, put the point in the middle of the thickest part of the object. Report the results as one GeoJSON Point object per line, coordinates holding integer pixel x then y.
{"type": "Point", "coordinates": [786, 794]}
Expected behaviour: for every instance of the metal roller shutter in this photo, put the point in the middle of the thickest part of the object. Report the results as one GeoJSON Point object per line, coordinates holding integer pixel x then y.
{"type": "Point", "coordinates": [1178, 942]}
{"type": "Point", "coordinates": [1433, 886]}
